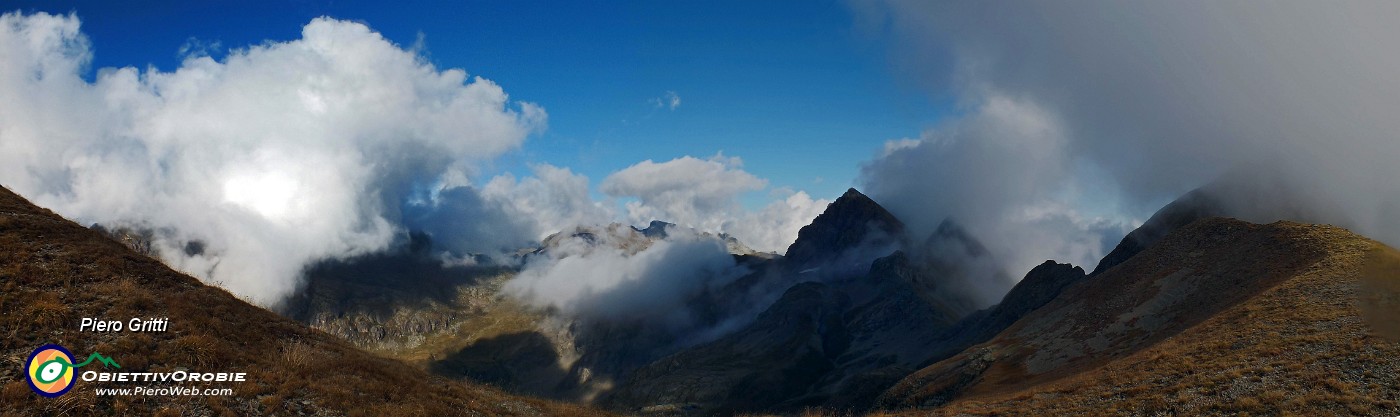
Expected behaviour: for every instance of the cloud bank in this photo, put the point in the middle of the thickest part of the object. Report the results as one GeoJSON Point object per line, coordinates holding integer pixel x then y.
{"type": "Point", "coordinates": [1079, 118]}
{"type": "Point", "coordinates": [607, 276]}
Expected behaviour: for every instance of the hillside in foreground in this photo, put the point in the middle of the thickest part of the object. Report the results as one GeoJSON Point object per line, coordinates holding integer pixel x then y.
{"type": "Point", "coordinates": [54, 273]}
{"type": "Point", "coordinates": [1221, 317]}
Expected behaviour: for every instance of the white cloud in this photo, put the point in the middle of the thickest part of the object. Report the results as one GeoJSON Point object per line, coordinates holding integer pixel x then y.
{"type": "Point", "coordinates": [686, 190]}
{"type": "Point", "coordinates": [553, 199]}
{"type": "Point", "coordinates": [600, 280]}
{"type": "Point", "coordinates": [195, 48]}
{"type": "Point", "coordinates": [1003, 173]}
{"type": "Point", "coordinates": [669, 101]}
{"type": "Point", "coordinates": [704, 194]}
{"type": "Point", "coordinates": [1295, 99]}
{"type": "Point", "coordinates": [774, 227]}
{"type": "Point", "coordinates": [277, 155]}
{"type": "Point", "coordinates": [893, 146]}
{"type": "Point", "coordinates": [283, 154]}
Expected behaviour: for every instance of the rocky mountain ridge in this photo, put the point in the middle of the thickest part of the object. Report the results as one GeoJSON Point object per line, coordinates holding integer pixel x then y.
{"type": "Point", "coordinates": [1219, 317]}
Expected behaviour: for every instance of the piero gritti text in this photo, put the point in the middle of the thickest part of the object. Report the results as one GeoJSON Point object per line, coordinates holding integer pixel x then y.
{"type": "Point", "coordinates": [135, 325]}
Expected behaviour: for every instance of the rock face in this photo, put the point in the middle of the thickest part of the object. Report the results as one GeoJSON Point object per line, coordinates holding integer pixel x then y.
{"type": "Point", "coordinates": [656, 229]}
{"type": "Point", "coordinates": [899, 309]}
{"type": "Point", "coordinates": [1220, 316]}
{"type": "Point", "coordinates": [850, 222]}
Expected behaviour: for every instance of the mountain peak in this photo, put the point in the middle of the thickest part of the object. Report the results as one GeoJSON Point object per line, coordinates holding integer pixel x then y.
{"type": "Point", "coordinates": [850, 221]}
{"type": "Point", "coordinates": [950, 232]}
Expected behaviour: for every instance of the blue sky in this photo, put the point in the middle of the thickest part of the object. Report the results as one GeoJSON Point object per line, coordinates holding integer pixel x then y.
{"type": "Point", "coordinates": [790, 87]}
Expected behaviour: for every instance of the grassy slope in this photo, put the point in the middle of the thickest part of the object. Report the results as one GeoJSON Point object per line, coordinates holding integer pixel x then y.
{"type": "Point", "coordinates": [1296, 344]}
{"type": "Point", "coordinates": [54, 272]}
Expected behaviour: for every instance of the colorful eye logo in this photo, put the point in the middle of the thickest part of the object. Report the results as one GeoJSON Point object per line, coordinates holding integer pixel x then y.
{"type": "Point", "coordinates": [50, 370]}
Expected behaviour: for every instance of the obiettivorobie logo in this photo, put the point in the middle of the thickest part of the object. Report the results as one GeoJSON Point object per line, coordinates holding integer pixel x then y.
{"type": "Point", "coordinates": [51, 373]}
{"type": "Point", "coordinates": [50, 369]}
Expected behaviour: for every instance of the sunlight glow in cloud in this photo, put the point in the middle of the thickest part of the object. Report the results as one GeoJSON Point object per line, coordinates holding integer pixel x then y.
{"type": "Point", "coordinates": [278, 155]}
{"type": "Point", "coordinates": [329, 146]}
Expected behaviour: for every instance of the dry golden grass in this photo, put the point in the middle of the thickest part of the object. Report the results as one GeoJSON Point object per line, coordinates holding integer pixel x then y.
{"type": "Point", "coordinates": [1298, 347]}
{"type": "Point", "coordinates": [819, 412]}
{"type": "Point", "coordinates": [54, 272]}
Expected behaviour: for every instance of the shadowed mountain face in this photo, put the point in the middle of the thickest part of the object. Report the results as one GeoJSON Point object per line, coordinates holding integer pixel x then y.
{"type": "Point", "coordinates": [1217, 317]}
{"type": "Point", "coordinates": [851, 223]}
{"type": "Point", "coordinates": [1041, 285]}
{"type": "Point", "coordinates": [387, 301]}
{"type": "Point", "coordinates": [863, 307]}
{"type": "Point", "coordinates": [523, 362]}
{"type": "Point", "coordinates": [54, 272]}
{"type": "Point", "coordinates": [777, 356]}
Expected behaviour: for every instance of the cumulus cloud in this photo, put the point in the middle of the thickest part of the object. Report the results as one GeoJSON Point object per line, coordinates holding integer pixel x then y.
{"type": "Point", "coordinates": [599, 277]}
{"type": "Point", "coordinates": [1115, 107]}
{"type": "Point", "coordinates": [686, 190]}
{"type": "Point", "coordinates": [774, 227]}
{"type": "Point", "coordinates": [553, 199]}
{"type": "Point", "coordinates": [507, 213]}
{"type": "Point", "coordinates": [275, 156]}
{"type": "Point", "coordinates": [704, 194]}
